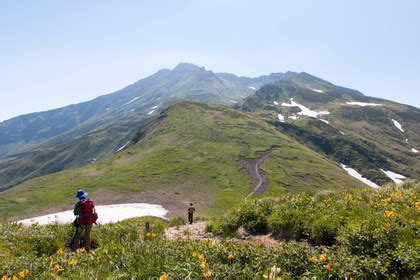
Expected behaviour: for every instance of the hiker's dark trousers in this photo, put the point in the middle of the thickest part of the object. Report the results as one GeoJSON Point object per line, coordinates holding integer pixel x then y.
{"type": "Point", "coordinates": [76, 241]}
{"type": "Point", "coordinates": [190, 218]}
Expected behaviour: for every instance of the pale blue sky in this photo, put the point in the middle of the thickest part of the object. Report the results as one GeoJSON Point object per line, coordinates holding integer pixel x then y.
{"type": "Point", "coordinates": [54, 53]}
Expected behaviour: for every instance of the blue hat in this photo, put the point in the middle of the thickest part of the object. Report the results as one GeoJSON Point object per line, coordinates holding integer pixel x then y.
{"type": "Point", "coordinates": [81, 194]}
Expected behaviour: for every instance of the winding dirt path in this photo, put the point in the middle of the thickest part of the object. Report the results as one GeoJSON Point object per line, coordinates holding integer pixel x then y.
{"type": "Point", "coordinates": [258, 177]}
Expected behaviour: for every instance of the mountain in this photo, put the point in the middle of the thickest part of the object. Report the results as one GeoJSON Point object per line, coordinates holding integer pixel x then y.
{"type": "Point", "coordinates": [41, 143]}
{"type": "Point", "coordinates": [185, 81]}
{"type": "Point", "coordinates": [370, 135]}
{"type": "Point", "coordinates": [285, 132]}
{"type": "Point", "coordinates": [207, 154]}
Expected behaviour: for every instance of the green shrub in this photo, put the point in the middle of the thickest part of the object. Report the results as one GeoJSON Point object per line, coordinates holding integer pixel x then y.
{"type": "Point", "coordinates": [373, 231]}
{"type": "Point", "coordinates": [253, 215]}
{"type": "Point", "coordinates": [288, 223]}
{"type": "Point", "coordinates": [226, 226]}
{"type": "Point", "coordinates": [177, 221]}
{"type": "Point", "coordinates": [323, 228]}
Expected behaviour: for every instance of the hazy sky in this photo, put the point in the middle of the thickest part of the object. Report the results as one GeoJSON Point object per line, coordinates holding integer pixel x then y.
{"type": "Point", "coordinates": [54, 53]}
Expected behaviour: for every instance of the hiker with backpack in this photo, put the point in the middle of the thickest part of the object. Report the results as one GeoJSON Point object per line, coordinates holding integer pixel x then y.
{"type": "Point", "coordinates": [191, 211]}
{"type": "Point", "coordinates": [86, 216]}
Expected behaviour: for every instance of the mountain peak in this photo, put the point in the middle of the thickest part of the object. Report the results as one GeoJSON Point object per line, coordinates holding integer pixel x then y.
{"type": "Point", "coordinates": [183, 66]}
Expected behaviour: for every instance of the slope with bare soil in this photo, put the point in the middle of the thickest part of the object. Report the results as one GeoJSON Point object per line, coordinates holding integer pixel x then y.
{"type": "Point", "coordinates": [258, 177]}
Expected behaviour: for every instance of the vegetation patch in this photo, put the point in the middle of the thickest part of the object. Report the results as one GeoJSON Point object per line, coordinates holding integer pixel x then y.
{"type": "Point", "coordinates": [375, 230]}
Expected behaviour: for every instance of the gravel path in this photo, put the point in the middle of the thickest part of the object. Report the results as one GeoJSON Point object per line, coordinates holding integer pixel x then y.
{"type": "Point", "coordinates": [197, 231]}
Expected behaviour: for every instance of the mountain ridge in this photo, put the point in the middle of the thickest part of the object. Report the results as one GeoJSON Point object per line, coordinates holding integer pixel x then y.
{"type": "Point", "coordinates": [26, 131]}
{"type": "Point", "coordinates": [94, 129]}
{"type": "Point", "coordinates": [192, 154]}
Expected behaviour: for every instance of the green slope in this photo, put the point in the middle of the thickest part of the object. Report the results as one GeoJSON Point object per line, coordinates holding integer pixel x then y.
{"type": "Point", "coordinates": [61, 155]}
{"type": "Point", "coordinates": [42, 143]}
{"type": "Point", "coordinates": [192, 155]}
{"type": "Point", "coordinates": [364, 138]}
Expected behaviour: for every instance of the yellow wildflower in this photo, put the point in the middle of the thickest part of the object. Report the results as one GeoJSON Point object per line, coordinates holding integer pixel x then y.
{"type": "Point", "coordinates": [389, 214]}
{"type": "Point", "coordinates": [57, 268]}
{"type": "Point", "coordinates": [417, 203]}
{"type": "Point", "coordinates": [5, 277]}
{"type": "Point", "coordinates": [208, 274]}
{"type": "Point", "coordinates": [195, 254]}
{"type": "Point", "coordinates": [15, 278]}
{"type": "Point", "coordinates": [386, 200]}
{"type": "Point", "coordinates": [200, 257]}
{"type": "Point", "coordinates": [153, 234]}
{"type": "Point", "coordinates": [313, 260]}
{"type": "Point", "coordinates": [164, 276]}
{"type": "Point", "coordinates": [24, 273]}
{"type": "Point", "coordinates": [73, 262]}
{"type": "Point", "coordinates": [203, 265]}
{"type": "Point", "coordinates": [328, 267]}
{"type": "Point", "coordinates": [60, 251]}
{"type": "Point", "coordinates": [279, 278]}
{"type": "Point", "coordinates": [323, 258]}
{"type": "Point", "coordinates": [230, 257]}
{"type": "Point", "coordinates": [148, 234]}
{"type": "Point", "coordinates": [398, 195]}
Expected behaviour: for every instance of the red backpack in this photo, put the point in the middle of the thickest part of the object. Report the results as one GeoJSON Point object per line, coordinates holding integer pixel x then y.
{"type": "Point", "coordinates": [88, 214]}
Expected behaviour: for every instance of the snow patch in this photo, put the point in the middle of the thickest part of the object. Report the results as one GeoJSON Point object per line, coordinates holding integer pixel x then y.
{"type": "Point", "coordinates": [281, 117]}
{"type": "Point", "coordinates": [154, 107]}
{"type": "Point", "coordinates": [397, 125]}
{"type": "Point", "coordinates": [363, 104]}
{"type": "Point", "coordinates": [305, 111]}
{"type": "Point", "coordinates": [131, 101]}
{"type": "Point", "coordinates": [233, 101]}
{"type": "Point", "coordinates": [342, 132]}
{"type": "Point", "coordinates": [325, 121]}
{"type": "Point", "coordinates": [122, 148]}
{"type": "Point", "coordinates": [275, 103]}
{"type": "Point", "coordinates": [151, 112]}
{"type": "Point", "coordinates": [357, 175]}
{"type": "Point", "coordinates": [397, 178]}
{"type": "Point", "coordinates": [107, 214]}
{"type": "Point", "coordinates": [252, 88]}
{"type": "Point", "coordinates": [316, 90]}
{"type": "Point", "coordinates": [414, 151]}
{"type": "Point", "coordinates": [293, 117]}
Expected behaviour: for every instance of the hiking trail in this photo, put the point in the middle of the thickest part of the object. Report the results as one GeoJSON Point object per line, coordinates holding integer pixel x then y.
{"type": "Point", "coordinates": [197, 231]}
{"type": "Point", "coordinates": [258, 177]}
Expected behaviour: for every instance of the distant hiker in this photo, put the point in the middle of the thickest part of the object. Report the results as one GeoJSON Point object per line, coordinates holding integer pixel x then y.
{"type": "Point", "coordinates": [147, 226]}
{"type": "Point", "coordinates": [191, 211]}
{"type": "Point", "coordinates": [86, 215]}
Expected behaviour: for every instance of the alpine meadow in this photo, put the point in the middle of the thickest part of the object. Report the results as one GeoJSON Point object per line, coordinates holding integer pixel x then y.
{"type": "Point", "coordinates": [195, 173]}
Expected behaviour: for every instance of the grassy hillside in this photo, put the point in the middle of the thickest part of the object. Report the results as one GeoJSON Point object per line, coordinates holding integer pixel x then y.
{"type": "Point", "coordinates": [47, 142]}
{"type": "Point", "coordinates": [193, 155]}
{"type": "Point", "coordinates": [362, 137]}
{"type": "Point", "coordinates": [365, 234]}
{"type": "Point", "coordinates": [59, 155]}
